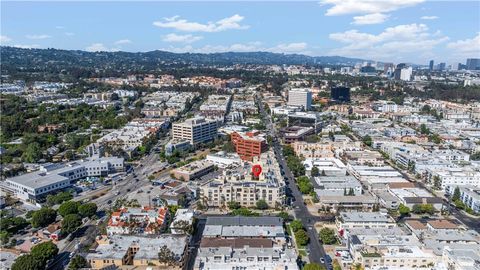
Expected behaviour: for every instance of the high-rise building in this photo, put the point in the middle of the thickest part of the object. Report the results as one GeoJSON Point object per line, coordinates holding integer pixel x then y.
{"type": "Point", "coordinates": [473, 63]}
{"type": "Point", "coordinates": [388, 67]}
{"type": "Point", "coordinates": [195, 130]}
{"type": "Point", "coordinates": [442, 66]}
{"type": "Point", "coordinates": [403, 72]}
{"type": "Point", "coordinates": [300, 97]}
{"type": "Point", "coordinates": [341, 94]}
{"type": "Point", "coordinates": [431, 65]}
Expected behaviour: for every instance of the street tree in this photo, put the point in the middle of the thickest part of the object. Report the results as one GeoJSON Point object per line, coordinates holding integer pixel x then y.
{"type": "Point", "coordinates": [87, 210]}
{"type": "Point", "coordinates": [232, 205]}
{"type": "Point", "coordinates": [261, 205]}
{"type": "Point", "coordinates": [313, 266]}
{"type": "Point", "coordinates": [301, 237]}
{"type": "Point", "coordinates": [28, 262]}
{"type": "Point", "coordinates": [78, 262]}
{"type": "Point", "coordinates": [43, 217]}
{"type": "Point", "coordinates": [456, 194]}
{"type": "Point", "coordinates": [44, 251]}
{"type": "Point", "coordinates": [296, 225]}
{"type": "Point", "coordinates": [70, 223]}
{"type": "Point", "coordinates": [327, 236]}
{"type": "Point", "coordinates": [68, 207]}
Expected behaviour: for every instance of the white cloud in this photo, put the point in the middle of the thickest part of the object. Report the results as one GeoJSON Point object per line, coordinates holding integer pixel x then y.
{"type": "Point", "coordinates": [467, 47]}
{"type": "Point", "coordinates": [123, 41]}
{"type": "Point", "coordinates": [233, 22]}
{"type": "Point", "coordinates": [99, 47]}
{"type": "Point", "coordinates": [181, 38]}
{"type": "Point", "coordinates": [69, 34]}
{"type": "Point", "coordinates": [43, 36]}
{"type": "Point", "coordinates": [343, 7]}
{"type": "Point", "coordinates": [374, 18]}
{"type": "Point", "coordinates": [60, 27]}
{"type": "Point", "coordinates": [5, 39]}
{"type": "Point", "coordinates": [399, 42]}
{"type": "Point", "coordinates": [300, 47]}
{"type": "Point", "coordinates": [25, 46]}
{"type": "Point", "coordinates": [429, 17]}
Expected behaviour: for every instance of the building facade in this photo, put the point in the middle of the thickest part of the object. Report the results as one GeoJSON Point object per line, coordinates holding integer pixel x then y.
{"type": "Point", "coordinates": [195, 130]}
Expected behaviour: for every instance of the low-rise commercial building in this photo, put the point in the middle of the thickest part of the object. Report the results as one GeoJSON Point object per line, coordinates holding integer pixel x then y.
{"type": "Point", "coordinates": [193, 170]}
{"type": "Point", "coordinates": [326, 166]}
{"type": "Point", "coordinates": [224, 159]}
{"type": "Point", "coordinates": [338, 185]}
{"type": "Point", "coordinates": [51, 178]}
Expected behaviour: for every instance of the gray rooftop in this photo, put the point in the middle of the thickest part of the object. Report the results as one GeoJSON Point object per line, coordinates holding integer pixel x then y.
{"type": "Point", "coordinates": [148, 246]}
{"type": "Point", "coordinates": [365, 217]}
{"type": "Point", "coordinates": [244, 221]}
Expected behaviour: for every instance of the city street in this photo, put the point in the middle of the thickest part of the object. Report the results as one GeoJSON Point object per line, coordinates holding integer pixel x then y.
{"type": "Point", "coordinates": [316, 251]}
{"type": "Point", "coordinates": [146, 166]}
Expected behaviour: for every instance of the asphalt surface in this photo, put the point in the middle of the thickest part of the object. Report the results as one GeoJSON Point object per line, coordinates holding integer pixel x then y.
{"type": "Point", "coordinates": [316, 251]}
{"type": "Point", "coordinates": [146, 166]}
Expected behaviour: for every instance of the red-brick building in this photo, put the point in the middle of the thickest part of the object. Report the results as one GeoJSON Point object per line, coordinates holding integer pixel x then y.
{"type": "Point", "coordinates": [248, 144]}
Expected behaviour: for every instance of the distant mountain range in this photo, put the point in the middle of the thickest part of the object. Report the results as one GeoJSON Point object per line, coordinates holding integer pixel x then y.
{"type": "Point", "coordinates": [48, 57]}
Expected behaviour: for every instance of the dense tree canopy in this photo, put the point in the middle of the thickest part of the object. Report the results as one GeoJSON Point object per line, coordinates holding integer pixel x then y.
{"type": "Point", "coordinates": [43, 217]}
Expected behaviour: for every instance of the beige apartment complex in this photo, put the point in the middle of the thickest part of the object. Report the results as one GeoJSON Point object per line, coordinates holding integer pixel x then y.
{"type": "Point", "coordinates": [239, 185]}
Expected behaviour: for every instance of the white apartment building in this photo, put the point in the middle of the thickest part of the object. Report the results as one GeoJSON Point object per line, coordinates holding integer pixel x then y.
{"type": "Point", "coordinates": [469, 195]}
{"type": "Point", "coordinates": [301, 97]}
{"type": "Point", "coordinates": [451, 155]}
{"type": "Point", "coordinates": [352, 220]}
{"type": "Point", "coordinates": [403, 74]}
{"type": "Point", "coordinates": [251, 256]}
{"type": "Point", "coordinates": [247, 243]}
{"type": "Point", "coordinates": [461, 258]}
{"type": "Point", "coordinates": [195, 130]}
{"type": "Point", "coordinates": [454, 176]}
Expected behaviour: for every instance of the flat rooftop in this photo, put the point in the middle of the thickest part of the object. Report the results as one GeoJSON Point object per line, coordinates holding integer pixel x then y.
{"type": "Point", "coordinates": [365, 217]}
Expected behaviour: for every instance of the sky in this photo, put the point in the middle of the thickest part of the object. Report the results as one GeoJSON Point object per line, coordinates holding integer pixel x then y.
{"type": "Point", "coordinates": [413, 31]}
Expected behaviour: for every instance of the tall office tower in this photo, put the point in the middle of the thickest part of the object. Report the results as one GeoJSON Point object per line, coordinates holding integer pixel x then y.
{"type": "Point", "coordinates": [403, 72]}
{"type": "Point", "coordinates": [388, 67]}
{"type": "Point", "coordinates": [473, 64]}
{"type": "Point", "coordinates": [341, 94]}
{"type": "Point", "coordinates": [301, 97]}
{"type": "Point", "coordinates": [442, 66]}
{"type": "Point", "coordinates": [431, 65]}
{"type": "Point", "coordinates": [195, 130]}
